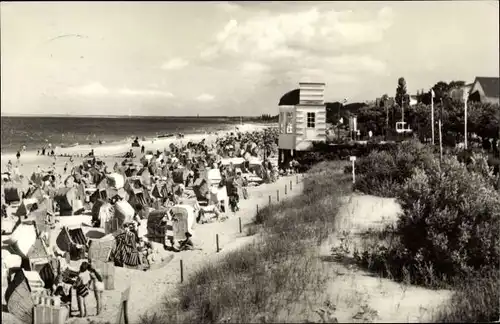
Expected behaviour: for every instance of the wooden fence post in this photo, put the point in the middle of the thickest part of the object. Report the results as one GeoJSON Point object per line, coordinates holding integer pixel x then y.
{"type": "Point", "coordinates": [291, 185]}
{"type": "Point", "coordinates": [217, 241]}
{"type": "Point", "coordinates": [285, 189]}
{"type": "Point", "coordinates": [240, 223]}
{"type": "Point", "coordinates": [182, 272]}
{"type": "Point", "coordinates": [277, 195]}
{"type": "Point", "coordinates": [269, 199]}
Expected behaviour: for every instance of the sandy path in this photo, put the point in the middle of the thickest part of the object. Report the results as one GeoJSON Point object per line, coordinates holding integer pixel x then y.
{"type": "Point", "coordinates": [149, 288]}
{"type": "Point", "coordinates": [350, 288]}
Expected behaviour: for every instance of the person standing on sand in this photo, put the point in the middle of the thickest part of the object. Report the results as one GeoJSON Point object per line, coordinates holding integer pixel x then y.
{"type": "Point", "coordinates": [18, 155]}
{"type": "Point", "coordinates": [82, 288]}
{"type": "Point", "coordinates": [143, 149]}
{"type": "Point", "coordinates": [98, 287]}
{"type": "Point", "coordinates": [169, 220]}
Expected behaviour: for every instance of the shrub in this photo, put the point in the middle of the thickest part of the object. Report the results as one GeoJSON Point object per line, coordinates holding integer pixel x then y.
{"type": "Point", "coordinates": [450, 218]}
{"type": "Point", "coordinates": [448, 230]}
{"type": "Point", "coordinates": [383, 173]}
{"type": "Point", "coordinates": [325, 152]}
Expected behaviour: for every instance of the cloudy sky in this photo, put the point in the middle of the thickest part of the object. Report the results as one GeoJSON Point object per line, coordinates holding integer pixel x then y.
{"type": "Point", "coordinates": [235, 58]}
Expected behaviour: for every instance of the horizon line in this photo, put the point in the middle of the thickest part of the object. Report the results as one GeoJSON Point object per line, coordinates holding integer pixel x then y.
{"type": "Point", "coordinates": [129, 116]}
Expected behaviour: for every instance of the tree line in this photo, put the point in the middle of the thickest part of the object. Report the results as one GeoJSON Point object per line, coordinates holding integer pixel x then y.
{"type": "Point", "coordinates": [380, 118]}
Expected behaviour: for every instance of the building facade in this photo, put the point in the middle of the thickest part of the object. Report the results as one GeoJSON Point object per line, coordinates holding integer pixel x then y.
{"type": "Point", "coordinates": [485, 90]}
{"type": "Point", "coordinates": [302, 119]}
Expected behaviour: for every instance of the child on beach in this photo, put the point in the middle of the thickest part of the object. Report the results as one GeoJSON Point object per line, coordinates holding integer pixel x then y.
{"type": "Point", "coordinates": [98, 287]}
{"type": "Point", "coordinates": [82, 288]}
{"type": "Point", "coordinates": [186, 244]}
{"type": "Point", "coordinates": [169, 220]}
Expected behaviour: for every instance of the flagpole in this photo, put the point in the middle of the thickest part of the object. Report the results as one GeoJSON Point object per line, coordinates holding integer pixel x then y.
{"type": "Point", "coordinates": [441, 131]}
{"type": "Point", "coordinates": [440, 142]}
{"type": "Point", "coordinates": [432, 115]}
{"type": "Point", "coordinates": [465, 119]}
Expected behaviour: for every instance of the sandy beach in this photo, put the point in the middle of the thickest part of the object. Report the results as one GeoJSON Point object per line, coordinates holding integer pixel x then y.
{"type": "Point", "coordinates": [109, 152]}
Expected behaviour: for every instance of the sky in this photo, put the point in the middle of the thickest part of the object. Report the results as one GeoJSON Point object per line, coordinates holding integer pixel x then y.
{"type": "Point", "coordinates": [232, 58]}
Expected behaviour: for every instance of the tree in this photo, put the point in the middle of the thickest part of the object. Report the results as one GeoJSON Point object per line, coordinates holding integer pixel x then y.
{"type": "Point", "coordinates": [332, 112]}
{"type": "Point", "coordinates": [372, 118]}
{"type": "Point", "coordinates": [484, 120]}
{"type": "Point", "coordinates": [383, 100]}
{"type": "Point", "coordinates": [441, 90]}
{"type": "Point", "coordinates": [401, 91]}
{"type": "Point", "coordinates": [456, 84]}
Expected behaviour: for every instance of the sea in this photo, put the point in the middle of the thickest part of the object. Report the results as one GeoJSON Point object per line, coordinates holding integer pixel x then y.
{"type": "Point", "coordinates": [37, 132]}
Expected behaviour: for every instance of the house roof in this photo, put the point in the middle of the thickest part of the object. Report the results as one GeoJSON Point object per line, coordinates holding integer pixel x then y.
{"type": "Point", "coordinates": [490, 85]}
{"type": "Point", "coordinates": [290, 98]}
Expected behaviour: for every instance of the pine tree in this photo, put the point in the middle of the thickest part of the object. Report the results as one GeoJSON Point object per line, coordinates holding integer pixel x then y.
{"type": "Point", "coordinates": [401, 92]}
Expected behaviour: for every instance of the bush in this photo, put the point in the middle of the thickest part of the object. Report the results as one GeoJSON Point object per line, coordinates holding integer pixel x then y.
{"type": "Point", "coordinates": [383, 173]}
{"type": "Point", "coordinates": [322, 152]}
{"type": "Point", "coordinates": [450, 218]}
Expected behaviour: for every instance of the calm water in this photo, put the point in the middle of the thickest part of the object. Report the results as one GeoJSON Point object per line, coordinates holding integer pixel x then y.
{"type": "Point", "coordinates": [35, 132]}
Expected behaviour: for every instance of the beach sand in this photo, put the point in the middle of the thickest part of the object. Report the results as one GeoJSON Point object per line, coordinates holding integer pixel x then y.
{"type": "Point", "coordinates": [108, 152]}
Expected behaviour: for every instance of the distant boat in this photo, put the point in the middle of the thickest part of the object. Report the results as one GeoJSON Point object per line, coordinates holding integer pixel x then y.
{"type": "Point", "coordinates": [69, 145]}
{"type": "Point", "coordinates": [165, 135]}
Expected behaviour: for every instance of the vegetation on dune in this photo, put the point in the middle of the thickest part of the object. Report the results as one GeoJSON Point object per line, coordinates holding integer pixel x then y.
{"type": "Point", "coordinates": [448, 234]}
{"type": "Point", "coordinates": [382, 173]}
{"type": "Point", "coordinates": [476, 300]}
{"type": "Point", "coordinates": [272, 278]}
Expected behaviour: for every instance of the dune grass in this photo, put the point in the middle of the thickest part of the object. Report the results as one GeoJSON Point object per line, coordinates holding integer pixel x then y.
{"type": "Point", "coordinates": [476, 299]}
{"type": "Point", "coordinates": [275, 278]}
